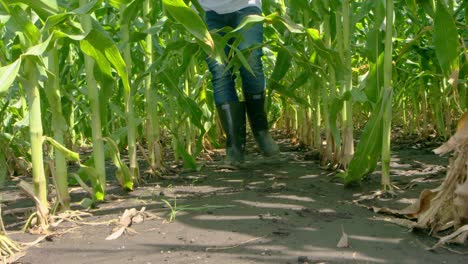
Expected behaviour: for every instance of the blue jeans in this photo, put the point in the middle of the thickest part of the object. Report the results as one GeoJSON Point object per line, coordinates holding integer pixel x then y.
{"type": "Point", "coordinates": [224, 80]}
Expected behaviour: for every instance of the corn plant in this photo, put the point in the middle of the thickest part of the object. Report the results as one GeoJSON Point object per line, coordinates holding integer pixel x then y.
{"type": "Point", "coordinates": [93, 96]}
{"type": "Point", "coordinates": [379, 125]}
{"type": "Point", "coordinates": [117, 77]}
{"type": "Point", "coordinates": [152, 120]}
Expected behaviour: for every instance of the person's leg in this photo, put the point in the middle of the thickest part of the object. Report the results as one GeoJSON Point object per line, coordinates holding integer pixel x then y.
{"type": "Point", "coordinates": [253, 85]}
{"type": "Point", "coordinates": [231, 112]}
{"type": "Point", "coordinates": [223, 80]}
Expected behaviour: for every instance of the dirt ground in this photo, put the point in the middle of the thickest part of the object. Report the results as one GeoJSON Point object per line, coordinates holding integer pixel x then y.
{"type": "Point", "coordinates": [283, 210]}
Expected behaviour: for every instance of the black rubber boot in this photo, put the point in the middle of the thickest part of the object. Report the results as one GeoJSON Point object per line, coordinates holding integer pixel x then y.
{"type": "Point", "coordinates": [258, 122]}
{"type": "Point", "coordinates": [232, 116]}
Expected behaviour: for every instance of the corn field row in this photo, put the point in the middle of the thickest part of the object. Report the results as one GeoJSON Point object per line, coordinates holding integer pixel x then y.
{"type": "Point", "coordinates": [125, 77]}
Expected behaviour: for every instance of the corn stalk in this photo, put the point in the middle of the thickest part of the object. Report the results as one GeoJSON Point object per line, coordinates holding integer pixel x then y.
{"type": "Point", "coordinates": [347, 113]}
{"type": "Point", "coordinates": [331, 151]}
{"type": "Point", "coordinates": [152, 119]}
{"type": "Point", "coordinates": [128, 100]}
{"type": "Point", "coordinates": [59, 128]}
{"type": "Point", "coordinates": [30, 84]}
{"type": "Point", "coordinates": [93, 97]}
{"type": "Point", "coordinates": [387, 118]}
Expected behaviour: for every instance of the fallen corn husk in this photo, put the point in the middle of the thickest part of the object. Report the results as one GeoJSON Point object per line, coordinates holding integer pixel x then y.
{"type": "Point", "coordinates": [129, 217]}
{"type": "Point", "coordinates": [446, 206]}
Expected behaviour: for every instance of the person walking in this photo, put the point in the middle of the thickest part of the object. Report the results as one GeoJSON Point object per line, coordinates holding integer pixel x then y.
{"type": "Point", "coordinates": [232, 112]}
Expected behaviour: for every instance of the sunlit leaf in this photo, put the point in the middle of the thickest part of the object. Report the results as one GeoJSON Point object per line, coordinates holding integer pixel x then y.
{"type": "Point", "coordinates": [190, 20]}
{"type": "Point", "coordinates": [89, 172]}
{"type": "Point", "coordinates": [44, 8]}
{"type": "Point", "coordinates": [98, 46]}
{"type": "Point", "coordinates": [69, 155]}
{"type": "Point", "coordinates": [445, 39]}
{"type": "Point", "coordinates": [8, 75]}
{"type": "Point", "coordinates": [248, 22]}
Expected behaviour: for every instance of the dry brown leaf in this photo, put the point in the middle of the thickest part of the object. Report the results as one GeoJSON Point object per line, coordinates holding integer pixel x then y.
{"type": "Point", "coordinates": [35, 242]}
{"type": "Point", "coordinates": [139, 218]}
{"type": "Point", "coordinates": [398, 221]}
{"type": "Point", "coordinates": [447, 205]}
{"type": "Point", "coordinates": [129, 217]}
{"type": "Point", "coordinates": [385, 210]}
{"type": "Point", "coordinates": [15, 257]}
{"type": "Point", "coordinates": [421, 205]}
{"type": "Point", "coordinates": [454, 237]}
{"type": "Point", "coordinates": [461, 238]}
{"type": "Point", "coordinates": [117, 233]}
{"type": "Point", "coordinates": [343, 243]}
{"type": "Point", "coordinates": [126, 218]}
{"type": "Point", "coordinates": [460, 137]}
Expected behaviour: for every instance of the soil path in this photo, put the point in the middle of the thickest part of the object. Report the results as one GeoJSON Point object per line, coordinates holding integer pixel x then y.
{"type": "Point", "coordinates": [275, 211]}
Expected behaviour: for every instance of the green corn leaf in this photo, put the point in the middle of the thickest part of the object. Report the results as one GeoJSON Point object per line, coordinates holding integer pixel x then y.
{"type": "Point", "coordinates": [445, 39]}
{"type": "Point", "coordinates": [369, 147]}
{"type": "Point", "coordinates": [359, 96]}
{"type": "Point", "coordinates": [123, 172]}
{"type": "Point", "coordinates": [189, 161]}
{"type": "Point", "coordinates": [248, 22]}
{"type": "Point", "coordinates": [21, 23]}
{"type": "Point", "coordinates": [69, 155]}
{"type": "Point", "coordinates": [364, 9]}
{"type": "Point", "coordinates": [157, 27]}
{"type": "Point", "coordinates": [331, 56]}
{"type": "Point", "coordinates": [337, 105]}
{"type": "Point", "coordinates": [5, 6]}
{"type": "Point", "coordinates": [102, 64]}
{"type": "Point", "coordinates": [374, 44]}
{"type": "Point", "coordinates": [243, 60]}
{"type": "Point", "coordinates": [131, 11]}
{"type": "Point", "coordinates": [8, 75]}
{"type": "Point", "coordinates": [190, 20]}
{"type": "Point", "coordinates": [412, 6]}
{"type": "Point", "coordinates": [194, 113]}
{"type": "Point", "coordinates": [98, 46]}
{"type": "Point", "coordinates": [40, 48]}
{"type": "Point", "coordinates": [299, 5]}
{"type": "Point", "coordinates": [291, 26]}
{"type": "Point", "coordinates": [188, 52]}
{"type": "Point", "coordinates": [374, 80]}
{"type": "Point", "coordinates": [280, 89]}
{"type": "Point", "coordinates": [198, 7]}
{"type": "Point", "coordinates": [300, 80]}
{"type": "Point", "coordinates": [92, 174]}
{"type": "Point", "coordinates": [427, 6]}
{"type": "Point", "coordinates": [282, 65]}
{"type": "Point", "coordinates": [117, 3]}
{"type": "Point", "coordinates": [285, 21]}
{"type": "Point", "coordinates": [87, 203]}
{"type": "Point", "coordinates": [88, 8]}
{"type": "Point", "coordinates": [57, 19]}
{"type": "Point", "coordinates": [190, 106]}
{"type": "Point", "coordinates": [44, 8]}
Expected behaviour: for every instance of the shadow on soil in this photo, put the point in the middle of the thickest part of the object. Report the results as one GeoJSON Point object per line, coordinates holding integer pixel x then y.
{"type": "Point", "coordinates": [286, 210]}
